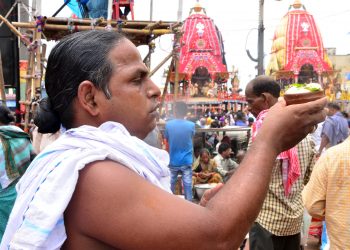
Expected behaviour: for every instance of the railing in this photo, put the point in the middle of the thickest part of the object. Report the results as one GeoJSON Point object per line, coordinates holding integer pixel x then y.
{"type": "Point", "coordinates": [233, 97]}
{"type": "Point", "coordinates": [221, 96]}
{"type": "Point", "coordinates": [225, 131]}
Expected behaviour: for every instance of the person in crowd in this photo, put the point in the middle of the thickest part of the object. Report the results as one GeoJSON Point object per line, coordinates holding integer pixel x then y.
{"type": "Point", "coordinates": [225, 139]}
{"type": "Point", "coordinates": [240, 119]}
{"type": "Point", "coordinates": [250, 121]}
{"type": "Point", "coordinates": [240, 155]}
{"type": "Point", "coordinates": [41, 141]}
{"type": "Point", "coordinates": [331, 132]}
{"type": "Point", "coordinates": [346, 116]}
{"type": "Point", "coordinates": [212, 137]}
{"type": "Point", "coordinates": [205, 169]}
{"type": "Point", "coordinates": [278, 225]}
{"type": "Point", "coordinates": [335, 128]}
{"type": "Point", "coordinates": [99, 183]}
{"type": "Point", "coordinates": [16, 153]}
{"type": "Point", "coordinates": [202, 122]}
{"type": "Point", "coordinates": [154, 138]}
{"type": "Point", "coordinates": [179, 134]}
{"type": "Point", "coordinates": [326, 196]}
{"type": "Point", "coordinates": [225, 165]}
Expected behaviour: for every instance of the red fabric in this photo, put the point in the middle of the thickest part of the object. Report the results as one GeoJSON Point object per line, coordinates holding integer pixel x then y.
{"type": "Point", "coordinates": [290, 161]}
{"type": "Point", "coordinates": [315, 228]}
{"type": "Point", "coordinates": [201, 46]}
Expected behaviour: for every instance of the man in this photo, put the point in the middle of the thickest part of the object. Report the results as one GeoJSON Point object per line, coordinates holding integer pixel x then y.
{"type": "Point", "coordinates": [240, 119]}
{"type": "Point", "coordinates": [225, 165]}
{"type": "Point", "coordinates": [278, 225]}
{"type": "Point", "coordinates": [99, 186]}
{"type": "Point", "coordinates": [179, 134]}
{"type": "Point", "coordinates": [335, 128]}
{"type": "Point", "coordinates": [326, 196]}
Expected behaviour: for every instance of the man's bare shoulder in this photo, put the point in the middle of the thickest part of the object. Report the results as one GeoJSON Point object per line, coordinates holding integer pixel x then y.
{"type": "Point", "coordinates": [101, 197]}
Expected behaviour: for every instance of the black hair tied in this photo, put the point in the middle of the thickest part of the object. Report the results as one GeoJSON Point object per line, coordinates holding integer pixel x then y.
{"type": "Point", "coordinates": [45, 118]}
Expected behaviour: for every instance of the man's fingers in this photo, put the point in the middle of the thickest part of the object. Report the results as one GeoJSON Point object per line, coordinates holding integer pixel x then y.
{"type": "Point", "coordinates": [313, 106]}
{"type": "Point", "coordinates": [211, 192]}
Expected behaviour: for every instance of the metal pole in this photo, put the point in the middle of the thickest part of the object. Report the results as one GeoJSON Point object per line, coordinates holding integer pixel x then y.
{"type": "Point", "coordinates": [261, 39]}
{"type": "Point", "coordinates": [179, 12]}
{"type": "Point", "coordinates": [59, 10]}
{"type": "Point", "coordinates": [151, 10]}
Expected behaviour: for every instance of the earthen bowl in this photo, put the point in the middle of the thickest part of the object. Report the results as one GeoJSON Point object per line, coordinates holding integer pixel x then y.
{"type": "Point", "coordinates": [302, 97]}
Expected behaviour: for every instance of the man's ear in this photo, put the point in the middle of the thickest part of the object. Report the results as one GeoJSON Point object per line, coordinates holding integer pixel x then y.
{"type": "Point", "coordinates": [86, 97]}
{"type": "Point", "coordinates": [269, 99]}
{"type": "Point", "coordinates": [265, 97]}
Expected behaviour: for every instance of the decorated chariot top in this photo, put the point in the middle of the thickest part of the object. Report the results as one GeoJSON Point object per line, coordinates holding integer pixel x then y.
{"type": "Point", "coordinates": [202, 47]}
{"type": "Point", "coordinates": [297, 41]}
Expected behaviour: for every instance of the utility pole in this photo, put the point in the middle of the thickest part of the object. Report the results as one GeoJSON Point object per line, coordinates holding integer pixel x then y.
{"type": "Point", "coordinates": [179, 12]}
{"type": "Point", "coordinates": [261, 29]}
{"type": "Point", "coordinates": [151, 10]}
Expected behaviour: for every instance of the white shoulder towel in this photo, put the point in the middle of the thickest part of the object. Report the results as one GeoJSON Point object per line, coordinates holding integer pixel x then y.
{"type": "Point", "coordinates": [44, 192]}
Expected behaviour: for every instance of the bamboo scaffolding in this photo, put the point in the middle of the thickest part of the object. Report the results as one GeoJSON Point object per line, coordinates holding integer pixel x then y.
{"type": "Point", "coordinates": [177, 64]}
{"type": "Point", "coordinates": [2, 84]}
{"type": "Point", "coordinates": [103, 22]}
{"type": "Point", "coordinates": [166, 87]}
{"type": "Point", "coordinates": [15, 31]}
{"type": "Point", "coordinates": [29, 83]}
{"type": "Point", "coordinates": [140, 32]}
{"type": "Point", "coordinates": [58, 27]}
{"type": "Point", "coordinates": [161, 64]}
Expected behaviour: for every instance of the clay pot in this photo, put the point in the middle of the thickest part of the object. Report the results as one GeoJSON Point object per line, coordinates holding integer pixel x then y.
{"type": "Point", "coordinates": [303, 97]}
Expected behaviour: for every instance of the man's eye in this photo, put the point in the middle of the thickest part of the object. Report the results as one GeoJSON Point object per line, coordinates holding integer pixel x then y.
{"type": "Point", "coordinates": [137, 80]}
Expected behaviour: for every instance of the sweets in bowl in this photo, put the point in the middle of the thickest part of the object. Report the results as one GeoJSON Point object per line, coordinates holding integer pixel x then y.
{"type": "Point", "coordinates": [301, 93]}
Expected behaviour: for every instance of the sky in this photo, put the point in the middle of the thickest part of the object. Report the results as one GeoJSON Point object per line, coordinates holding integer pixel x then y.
{"type": "Point", "coordinates": [238, 23]}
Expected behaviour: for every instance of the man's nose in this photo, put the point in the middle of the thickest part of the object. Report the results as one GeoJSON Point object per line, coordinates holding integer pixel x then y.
{"type": "Point", "coordinates": [153, 90]}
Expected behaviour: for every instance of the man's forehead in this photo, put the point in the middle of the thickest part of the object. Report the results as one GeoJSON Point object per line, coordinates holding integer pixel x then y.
{"type": "Point", "coordinates": [135, 66]}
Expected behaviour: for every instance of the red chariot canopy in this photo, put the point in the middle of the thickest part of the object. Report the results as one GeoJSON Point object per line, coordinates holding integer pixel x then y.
{"type": "Point", "coordinates": [297, 42]}
{"type": "Point", "coordinates": [202, 47]}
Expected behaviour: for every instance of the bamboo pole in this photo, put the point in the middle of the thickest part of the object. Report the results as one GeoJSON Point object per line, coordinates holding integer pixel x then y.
{"type": "Point", "coordinates": [36, 72]}
{"type": "Point", "coordinates": [101, 21]}
{"type": "Point", "coordinates": [8, 13]}
{"type": "Point", "coordinates": [166, 86]}
{"type": "Point", "coordinates": [83, 28]}
{"type": "Point", "coordinates": [161, 64]}
{"type": "Point", "coordinates": [2, 84]}
{"type": "Point", "coordinates": [29, 84]}
{"type": "Point", "coordinates": [43, 59]}
{"type": "Point", "coordinates": [152, 26]}
{"type": "Point", "coordinates": [177, 47]}
{"type": "Point", "coordinates": [14, 30]}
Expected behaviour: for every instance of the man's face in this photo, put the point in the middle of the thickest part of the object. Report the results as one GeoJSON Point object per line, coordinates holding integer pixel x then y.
{"type": "Point", "coordinates": [256, 104]}
{"type": "Point", "coordinates": [226, 154]}
{"type": "Point", "coordinates": [134, 100]}
{"type": "Point", "coordinates": [331, 111]}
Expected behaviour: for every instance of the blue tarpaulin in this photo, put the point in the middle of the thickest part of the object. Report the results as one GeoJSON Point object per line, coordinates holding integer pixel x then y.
{"type": "Point", "coordinates": [97, 8]}
{"type": "Point", "coordinates": [74, 6]}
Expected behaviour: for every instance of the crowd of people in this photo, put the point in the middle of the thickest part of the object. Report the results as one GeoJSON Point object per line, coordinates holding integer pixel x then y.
{"type": "Point", "coordinates": [99, 185]}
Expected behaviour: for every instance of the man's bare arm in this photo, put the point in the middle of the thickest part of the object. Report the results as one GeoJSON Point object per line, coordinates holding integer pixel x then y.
{"type": "Point", "coordinates": [115, 206]}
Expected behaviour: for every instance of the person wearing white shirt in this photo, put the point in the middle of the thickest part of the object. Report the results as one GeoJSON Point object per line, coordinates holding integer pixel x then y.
{"type": "Point", "coordinates": [225, 165]}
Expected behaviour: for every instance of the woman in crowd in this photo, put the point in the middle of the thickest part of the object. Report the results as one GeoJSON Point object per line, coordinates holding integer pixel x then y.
{"type": "Point", "coordinates": [204, 169]}
{"type": "Point", "coordinates": [16, 153]}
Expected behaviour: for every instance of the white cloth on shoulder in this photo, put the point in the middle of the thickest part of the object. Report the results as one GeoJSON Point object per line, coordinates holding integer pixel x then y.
{"type": "Point", "coordinates": [45, 190]}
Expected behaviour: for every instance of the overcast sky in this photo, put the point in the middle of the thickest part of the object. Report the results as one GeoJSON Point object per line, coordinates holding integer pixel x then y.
{"type": "Point", "coordinates": [238, 22]}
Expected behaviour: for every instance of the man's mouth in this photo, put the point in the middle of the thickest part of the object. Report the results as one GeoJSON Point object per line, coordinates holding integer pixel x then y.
{"type": "Point", "coordinates": [156, 107]}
